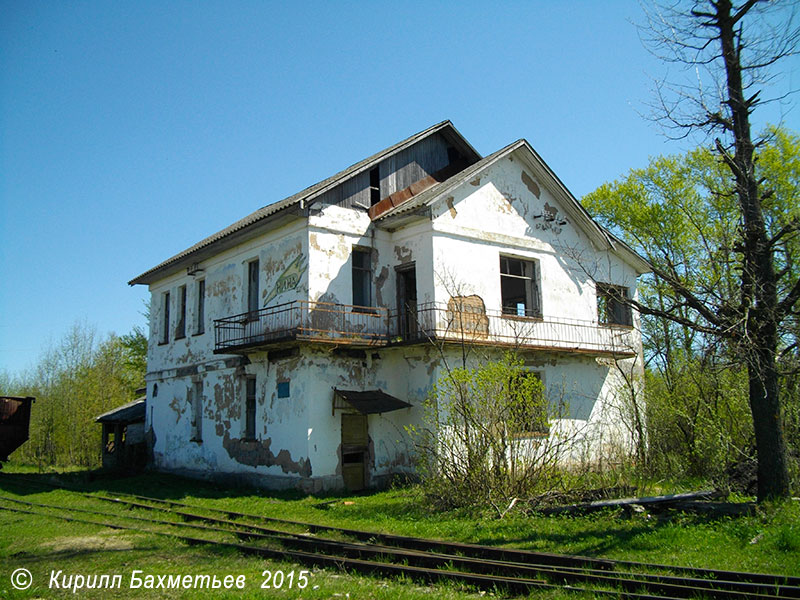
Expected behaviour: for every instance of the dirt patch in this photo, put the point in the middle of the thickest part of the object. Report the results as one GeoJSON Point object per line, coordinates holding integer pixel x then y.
{"type": "Point", "coordinates": [88, 543]}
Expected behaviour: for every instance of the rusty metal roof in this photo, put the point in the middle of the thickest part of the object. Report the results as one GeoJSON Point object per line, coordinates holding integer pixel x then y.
{"type": "Point", "coordinates": [132, 412]}
{"type": "Point", "coordinates": [371, 401]}
{"type": "Point", "coordinates": [435, 192]}
{"type": "Point", "coordinates": [297, 199]}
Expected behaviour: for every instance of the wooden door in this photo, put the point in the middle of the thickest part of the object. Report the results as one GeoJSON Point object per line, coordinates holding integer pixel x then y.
{"type": "Point", "coordinates": [355, 441]}
{"type": "Point", "coordinates": [407, 301]}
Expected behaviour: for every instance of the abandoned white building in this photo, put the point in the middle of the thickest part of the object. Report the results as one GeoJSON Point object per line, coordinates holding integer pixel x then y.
{"type": "Point", "coordinates": [293, 347]}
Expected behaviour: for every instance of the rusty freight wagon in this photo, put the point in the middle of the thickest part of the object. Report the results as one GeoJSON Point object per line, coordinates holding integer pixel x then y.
{"type": "Point", "coordinates": [15, 416]}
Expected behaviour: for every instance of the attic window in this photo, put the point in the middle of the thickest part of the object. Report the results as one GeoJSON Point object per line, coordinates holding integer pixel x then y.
{"type": "Point", "coordinates": [374, 187]}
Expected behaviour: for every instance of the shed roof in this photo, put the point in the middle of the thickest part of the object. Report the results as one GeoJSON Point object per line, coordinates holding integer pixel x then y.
{"type": "Point", "coordinates": [132, 412]}
{"type": "Point", "coordinates": [299, 200]}
{"type": "Point", "coordinates": [371, 401]}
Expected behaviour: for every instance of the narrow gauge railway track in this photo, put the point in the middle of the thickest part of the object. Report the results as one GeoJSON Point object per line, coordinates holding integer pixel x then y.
{"type": "Point", "coordinates": [514, 570]}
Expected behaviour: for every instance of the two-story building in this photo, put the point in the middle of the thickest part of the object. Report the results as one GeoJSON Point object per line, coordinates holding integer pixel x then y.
{"type": "Point", "coordinates": [294, 347]}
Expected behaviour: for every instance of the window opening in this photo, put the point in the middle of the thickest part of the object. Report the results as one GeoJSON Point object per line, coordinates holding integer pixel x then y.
{"type": "Point", "coordinates": [531, 411]}
{"type": "Point", "coordinates": [165, 322]}
{"type": "Point", "coordinates": [374, 186]}
{"type": "Point", "coordinates": [250, 409]}
{"type": "Point", "coordinates": [362, 278]}
{"type": "Point", "coordinates": [453, 155]}
{"type": "Point", "coordinates": [197, 411]}
{"type": "Point", "coordinates": [180, 328]}
{"type": "Point", "coordinates": [611, 306]}
{"type": "Point", "coordinates": [200, 315]}
{"type": "Point", "coordinates": [252, 287]}
{"type": "Point", "coordinates": [519, 287]}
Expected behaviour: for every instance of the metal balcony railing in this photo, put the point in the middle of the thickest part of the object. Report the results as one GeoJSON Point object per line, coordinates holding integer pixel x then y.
{"type": "Point", "coordinates": [462, 324]}
{"type": "Point", "coordinates": [449, 323]}
{"type": "Point", "coordinates": [302, 319]}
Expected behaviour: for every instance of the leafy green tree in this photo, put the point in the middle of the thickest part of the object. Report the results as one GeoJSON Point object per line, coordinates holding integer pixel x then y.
{"type": "Point", "coordinates": [682, 214]}
{"type": "Point", "coordinates": [135, 344]}
{"type": "Point", "coordinates": [76, 379]}
{"type": "Point", "coordinates": [729, 49]}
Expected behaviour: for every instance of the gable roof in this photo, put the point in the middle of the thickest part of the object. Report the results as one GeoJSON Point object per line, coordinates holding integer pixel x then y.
{"type": "Point", "coordinates": [296, 203]}
{"type": "Point", "coordinates": [425, 200]}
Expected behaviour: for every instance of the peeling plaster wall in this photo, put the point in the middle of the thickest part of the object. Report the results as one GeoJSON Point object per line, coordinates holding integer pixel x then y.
{"type": "Point", "coordinates": [297, 439]}
{"type": "Point", "coordinates": [501, 213]}
{"type": "Point", "coordinates": [403, 373]}
{"type": "Point", "coordinates": [226, 293]}
{"type": "Point", "coordinates": [335, 231]}
{"type": "Point", "coordinates": [175, 367]}
{"type": "Point", "coordinates": [279, 449]}
{"type": "Point", "coordinates": [506, 211]}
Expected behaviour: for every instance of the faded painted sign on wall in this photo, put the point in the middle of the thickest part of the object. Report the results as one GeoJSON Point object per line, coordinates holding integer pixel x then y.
{"type": "Point", "coordinates": [289, 279]}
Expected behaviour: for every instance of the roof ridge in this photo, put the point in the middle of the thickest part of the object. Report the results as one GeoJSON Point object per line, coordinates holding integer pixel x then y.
{"type": "Point", "coordinates": [298, 197]}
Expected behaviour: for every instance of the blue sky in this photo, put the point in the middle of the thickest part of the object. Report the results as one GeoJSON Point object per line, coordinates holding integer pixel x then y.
{"type": "Point", "coordinates": [131, 130]}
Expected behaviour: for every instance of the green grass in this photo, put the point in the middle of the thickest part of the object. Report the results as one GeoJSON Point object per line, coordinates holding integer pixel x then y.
{"type": "Point", "coordinates": [766, 542]}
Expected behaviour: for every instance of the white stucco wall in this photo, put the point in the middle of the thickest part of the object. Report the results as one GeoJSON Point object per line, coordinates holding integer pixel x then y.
{"type": "Point", "coordinates": [297, 439]}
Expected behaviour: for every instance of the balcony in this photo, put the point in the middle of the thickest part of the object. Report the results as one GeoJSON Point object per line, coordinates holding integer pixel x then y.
{"type": "Point", "coordinates": [451, 323]}
{"type": "Point", "coordinates": [461, 323]}
{"type": "Point", "coordinates": [302, 320]}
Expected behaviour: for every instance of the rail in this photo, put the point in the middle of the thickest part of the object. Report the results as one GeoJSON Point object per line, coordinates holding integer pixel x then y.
{"type": "Point", "coordinates": [451, 323]}
{"type": "Point", "coordinates": [302, 319]}
{"type": "Point", "coordinates": [509, 570]}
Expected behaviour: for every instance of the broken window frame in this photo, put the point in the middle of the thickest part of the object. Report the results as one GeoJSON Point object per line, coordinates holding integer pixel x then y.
{"type": "Point", "coordinates": [612, 311]}
{"type": "Point", "coordinates": [529, 275]}
{"type": "Point", "coordinates": [374, 186]}
{"type": "Point", "coordinates": [165, 300]}
{"type": "Point", "coordinates": [362, 279]}
{"type": "Point", "coordinates": [200, 308]}
{"type": "Point", "coordinates": [180, 326]}
{"type": "Point", "coordinates": [249, 432]}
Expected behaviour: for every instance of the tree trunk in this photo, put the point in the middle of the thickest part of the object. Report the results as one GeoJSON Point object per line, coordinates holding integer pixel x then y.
{"type": "Point", "coordinates": [759, 299]}
{"type": "Point", "coordinates": [773, 473]}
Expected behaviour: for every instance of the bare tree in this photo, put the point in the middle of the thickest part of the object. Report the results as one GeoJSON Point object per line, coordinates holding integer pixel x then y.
{"type": "Point", "coordinates": [731, 50]}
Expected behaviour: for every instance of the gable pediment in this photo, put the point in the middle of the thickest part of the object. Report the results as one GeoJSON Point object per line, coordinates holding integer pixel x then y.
{"type": "Point", "coordinates": [511, 192]}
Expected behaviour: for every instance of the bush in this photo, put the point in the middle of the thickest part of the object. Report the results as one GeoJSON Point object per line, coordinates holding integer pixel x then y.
{"type": "Point", "coordinates": [485, 438]}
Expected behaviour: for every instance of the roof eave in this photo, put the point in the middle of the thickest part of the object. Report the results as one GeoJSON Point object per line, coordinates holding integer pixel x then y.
{"type": "Point", "coordinates": [184, 260]}
{"type": "Point", "coordinates": [303, 199]}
